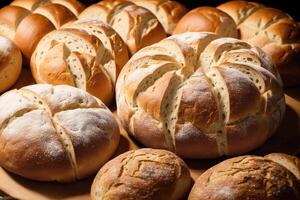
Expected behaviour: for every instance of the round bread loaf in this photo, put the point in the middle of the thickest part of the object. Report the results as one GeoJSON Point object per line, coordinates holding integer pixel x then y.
{"type": "Point", "coordinates": [272, 30]}
{"type": "Point", "coordinates": [137, 26]}
{"type": "Point", "coordinates": [207, 19]}
{"type": "Point", "coordinates": [167, 12]}
{"type": "Point", "coordinates": [143, 174]}
{"type": "Point", "coordinates": [246, 177]}
{"type": "Point", "coordinates": [10, 63]}
{"type": "Point", "coordinates": [85, 54]}
{"type": "Point", "coordinates": [55, 133]}
{"type": "Point", "coordinates": [200, 96]}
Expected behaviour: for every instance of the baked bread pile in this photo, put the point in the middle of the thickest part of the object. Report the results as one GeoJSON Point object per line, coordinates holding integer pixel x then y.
{"type": "Point", "coordinates": [27, 21]}
{"type": "Point", "coordinates": [134, 22]}
{"type": "Point", "coordinates": [84, 54]}
{"type": "Point", "coordinates": [55, 133]}
{"type": "Point", "coordinates": [249, 177]}
{"type": "Point", "coordinates": [143, 174]}
{"type": "Point", "coordinates": [10, 63]}
{"type": "Point", "coordinates": [274, 31]}
{"type": "Point", "coordinates": [200, 96]}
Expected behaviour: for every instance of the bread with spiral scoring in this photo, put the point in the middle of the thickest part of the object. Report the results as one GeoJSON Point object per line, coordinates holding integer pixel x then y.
{"type": "Point", "coordinates": [200, 96]}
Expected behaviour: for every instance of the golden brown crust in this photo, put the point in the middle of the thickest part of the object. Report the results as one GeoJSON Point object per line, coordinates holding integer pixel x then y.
{"type": "Point", "coordinates": [57, 14]}
{"type": "Point", "coordinates": [246, 177]}
{"type": "Point", "coordinates": [30, 5]}
{"type": "Point", "coordinates": [208, 19]}
{"type": "Point", "coordinates": [30, 31]}
{"type": "Point", "coordinates": [10, 63]}
{"type": "Point", "coordinates": [200, 96]}
{"type": "Point", "coordinates": [53, 121]}
{"type": "Point", "coordinates": [76, 7]}
{"type": "Point", "coordinates": [142, 174]}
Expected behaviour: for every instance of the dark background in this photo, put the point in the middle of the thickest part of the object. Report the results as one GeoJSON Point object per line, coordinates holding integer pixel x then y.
{"type": "Point", "coordinates": [289, 6]}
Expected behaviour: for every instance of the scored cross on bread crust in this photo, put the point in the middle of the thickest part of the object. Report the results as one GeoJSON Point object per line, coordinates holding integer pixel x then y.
{"type": "Point", "coordinates": [200, 96]}
{"type": "Point", "coordinates": [55, 133]}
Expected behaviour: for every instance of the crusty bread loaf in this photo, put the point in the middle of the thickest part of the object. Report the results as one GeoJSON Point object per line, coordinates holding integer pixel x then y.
{"type": "Point", "coordinates": [26, 22]}
{"type": "Point", "coordinates": [73, 57]}
{"type": "Point", "coordinates": [292, 163]}
{"type": "Point", "coordinates": [207, 19]}
{"type": "Point", "coordinates": [200, 96]}
{"type": "Point", "coordinates": [272, 30]}
{"type": "Point", "coordinates": [10, 63]}
{"type": "Point", "coordinates": [55, 133]}
{"type": "Point", "coordinates": [143, 174]}
{"type": "Point", "coordinates": [167, 12]}
{"type": "Point", "coordinates": [116, 53]}
{"type": "Point", "coordinates": [137, 26]}
{"type": "Point", "coordinates": [246, 177]}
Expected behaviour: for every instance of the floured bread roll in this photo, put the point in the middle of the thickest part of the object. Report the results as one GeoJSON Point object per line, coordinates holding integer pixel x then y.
{"type": "Point", "coordinates": [247, 177]}
{"type": "Point", "coordinates": [85, 54]}
{"type": "Point", "coordinates": [143, 174]}
{"type": "Point", "coordinates": [200, 96]}
{"type": "Point", "coordinates": [10, 63]}
{"type": "Point", "coordinates": [55, 133]}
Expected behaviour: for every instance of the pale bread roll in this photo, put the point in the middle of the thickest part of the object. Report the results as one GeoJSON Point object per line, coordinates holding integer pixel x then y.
{"type": "Point", "coordinates": [55, 133]}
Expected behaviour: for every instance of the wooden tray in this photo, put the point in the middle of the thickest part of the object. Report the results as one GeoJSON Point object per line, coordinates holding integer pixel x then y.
{"type": "Point", "coordinates": [286, 140]}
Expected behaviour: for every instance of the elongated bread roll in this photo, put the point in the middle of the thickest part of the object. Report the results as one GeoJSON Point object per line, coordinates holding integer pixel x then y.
{"type": "Point", "coordinates": [55, 133]}
{"type": "Point", "coordinates": [200, 96]}
{"type": "Point", "coordinates": [143, 174]}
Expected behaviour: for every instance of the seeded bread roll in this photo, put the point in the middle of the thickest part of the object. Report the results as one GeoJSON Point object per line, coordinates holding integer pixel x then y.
{"type": "Point", "coordinates": [10, 63]}
{"type": "Point", "coordinates": [55, 133]}
{"type": "Point", "coordinates": [167, 12]}
{"type": "Point", "coordinates": [200, 96]}
{"type": "Point", "coordinates": [246, 177]}
{"type": "Point", "coordinates": [137, 26]}
{"type": "Point", "coordinates": [143, 174]}
{"type": "Point", "coordinates": [207, 19]}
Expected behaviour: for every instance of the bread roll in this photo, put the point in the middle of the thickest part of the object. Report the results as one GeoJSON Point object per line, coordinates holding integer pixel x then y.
{"type": "Point", "coordinates": [116, 53]}
{"type": "Point", "coordinates": [200, 96]}
{"type": "Point", "coordinates": [246, 177]}
{"type": "Point", "coordinates": [292, 163]}
{"type": "Point", "coordinates": [26, 22]}
{"type": "Point", "coordinates": [207, 19]}
{"type": "Point", "coordinates": [76, 58]}
{"type": "Point", "coordinates": [143, 174]}
{"type": "Point", "coordinates": [167, 12]}
{"type": "Point", "coordinates": [55, 133]}
{"type": "Point", "coordinates": [277, 33]}
{"type": "Point", "coordinates": [137, 26]}
{"type": "Point", "coordinates": [10, 18]}
{"type": "Point", "coordinates": [10, 63]}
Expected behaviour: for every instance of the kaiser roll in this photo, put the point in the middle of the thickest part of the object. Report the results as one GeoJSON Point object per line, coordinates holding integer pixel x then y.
{"type": "Point", "coordinates": [143, 174]}
{"type": "Point", "coordinates": [246, 177]}
{"type": "Point", "coordinates": [200, 96]}
{"type": "Point", "coordinates": [10, 63]}
{"type": "Point", "coordinates": [55, 133]}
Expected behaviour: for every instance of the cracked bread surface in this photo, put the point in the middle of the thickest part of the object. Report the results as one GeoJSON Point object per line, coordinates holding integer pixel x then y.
{"type": "Point", "coordinates": [78, 58]}
{"type": "Point", "coordinates": [246, 177]}
{"type": "Point", "coordinates": [142, 174]}
{"type": "Point", "coordinates": [200, 96]}
{"type": "Point", "coordinates": [55, 133]}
